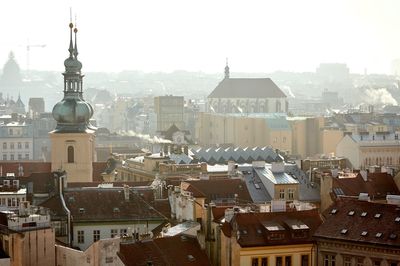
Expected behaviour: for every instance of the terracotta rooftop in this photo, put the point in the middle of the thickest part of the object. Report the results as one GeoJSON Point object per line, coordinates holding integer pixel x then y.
{"type": "Point", "coordinates": [175, 250]}
{"type": "Point", "coordinates": [378, 185]}
{"type": "Point", "coordinates": [93, 204]}
{"type": "Point", "coordinates": [214, 189]}
{"type": "Point", "coordinates": [28, 167]}
{"type": "Point", "coordinates": [273, 228]}
{"type": "Point", "coordinates": [361, 221]}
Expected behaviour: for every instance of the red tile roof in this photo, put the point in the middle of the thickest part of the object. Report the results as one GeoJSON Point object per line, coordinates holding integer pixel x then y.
{"type": "Point", "coordinates": [254, 229]}
{"type": "Point", "coordinates": [175, 250]}
{"type": "Point", "coordinates": [102, 205]}
{"type": "Point", "coordinates": [219, 189]}
{"type": "Point", "coordinates": [378, 185]}
{"type": "Point", "coordinates": [355, 217]}
{"type": "Point", "coordinates": [28, 167]}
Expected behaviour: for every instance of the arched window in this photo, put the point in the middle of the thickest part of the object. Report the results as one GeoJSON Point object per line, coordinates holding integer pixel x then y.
{"type": "Point", "coordinates": [70, 154]}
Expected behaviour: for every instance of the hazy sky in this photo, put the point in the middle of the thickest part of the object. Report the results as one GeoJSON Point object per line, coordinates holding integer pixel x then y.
{"type": "Point", "coordinates": [167, 35]}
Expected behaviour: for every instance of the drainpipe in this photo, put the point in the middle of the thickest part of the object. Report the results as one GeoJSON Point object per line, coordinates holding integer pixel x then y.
{"type": "Point", "coordinates": [61, 189]}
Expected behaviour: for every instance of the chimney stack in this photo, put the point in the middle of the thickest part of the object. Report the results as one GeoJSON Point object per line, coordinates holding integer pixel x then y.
{"type": "Point", "coordinates": [126, 192]}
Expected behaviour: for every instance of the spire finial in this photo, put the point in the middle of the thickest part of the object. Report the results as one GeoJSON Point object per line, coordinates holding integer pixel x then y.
{"type": "Point", "coordinates": [71, 48]}
{"type": "Point", "coordinates": [226, 69]}
{"type": "Point", "coordinates": [76, 42]}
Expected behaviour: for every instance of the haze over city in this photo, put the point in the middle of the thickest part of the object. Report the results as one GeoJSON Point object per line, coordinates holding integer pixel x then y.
{"type": "Point", "coordinates": [256, 36]}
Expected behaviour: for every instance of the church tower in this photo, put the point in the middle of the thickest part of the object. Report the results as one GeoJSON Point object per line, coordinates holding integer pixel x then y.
{"type": "Point", "coordinates": [73, 140]}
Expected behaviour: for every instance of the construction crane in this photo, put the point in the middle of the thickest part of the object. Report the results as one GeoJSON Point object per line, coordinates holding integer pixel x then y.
{"type": "Point", "coordinates": [28, 49]}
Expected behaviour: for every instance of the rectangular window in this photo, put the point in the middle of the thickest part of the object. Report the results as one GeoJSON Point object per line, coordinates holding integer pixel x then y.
{"type": "Point", "coordinates": [122, 232]}
{"type": "Point", "coordinates": [279, 261]}
{"type": "Point", "coordinates": [19, 145]}
{"type": "Point", "coordinates": [377, 262]}
{"type": "Point", "coordinates": [26, 156]}
{"type": "Point", "coordinates": [291, 193]}
{"type": "Point", "coordinates": [254, 262]}
{"type": "Point", "coordinates": [19, 156]}
{"type": "Point", "coordinates": [346, 261]}
{"type": "Point", "coordinates": [282, 194]}
{"type": "Point", "coordinates": [304, 260]}
{"type": "Point", "coordinates": [264, 261]}
{"type": "Point", "coordinates": [4, 157]}
{"type": "Point", "coordinates": [288, 261]}
{"type": "Point", "coordinates": [81, 237]}
{"type": "Point", "coordinates": [12, 145]}
{"type": "Point", "coordinates": [96, 235]}
{"type": "Point", "coordinates": [4, 145]}
{"type": "Point", "coordinates": [26, 145]}
{"type": "Point", "coordinates": [114, 233]}
{"type": "Point", "coordinates": [12, 157]}
{"type": "Point", "coordinates": [360, 262]}
{"type": "Point", "coordinates": [330, 260]}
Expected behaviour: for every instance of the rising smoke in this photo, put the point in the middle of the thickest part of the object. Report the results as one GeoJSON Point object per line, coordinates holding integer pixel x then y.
{"type": "Point", "coordinates": [145, 137]}
{"type": "Point", "coordinates": [379, 96]}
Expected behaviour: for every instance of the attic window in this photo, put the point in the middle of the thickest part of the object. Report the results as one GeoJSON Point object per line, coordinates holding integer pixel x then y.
{"type": "Point", "coordinates": [378, 235]}
{"type": "Point", "coordinates": [116, 209]}
{"type": "Point", "coordinates": [397, 219]}
{"type": "Point", "coordinates": [364, 233]}
{"type": "Point", "coordinates": [351, 213]}
{"type": "Point", "coordinates": [392, 236]}
{"type": "Point", "coordinates": [333, 211]}
{"type": "Point", "coordinates": [244, 231]}
{"type": "Point", "coordinates": [259, 231]}
{"type": "Point", "coordinates": [81, 210]}
{"type": "Point", "coordinates": [378, 215]}
{"type": "Point", "coordinates": [344, 231]}
{"type": "Point", "coordinates": [363, 214]}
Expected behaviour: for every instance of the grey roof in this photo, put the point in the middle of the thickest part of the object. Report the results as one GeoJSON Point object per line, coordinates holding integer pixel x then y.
{"type": "Point", "coordinates": [247, 88]}
{"type": "Point", "coordinates": [276, 178]}
{"type": "Point", "coordinates": [239, 155]}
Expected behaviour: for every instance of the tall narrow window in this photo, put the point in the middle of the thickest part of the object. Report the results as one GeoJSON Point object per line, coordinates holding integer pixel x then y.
{"type": "Point", "coordinates": [70, 154]}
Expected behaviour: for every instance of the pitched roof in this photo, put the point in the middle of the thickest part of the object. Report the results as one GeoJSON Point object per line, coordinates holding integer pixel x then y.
{"type": "Point", "coordinates": [107, 204]}
{"type": "Point", "coordinates": [256, 229]}
{"type": "Point", "coordinates": [247, 88]}
{"type": "Point", "coordinates": [28, 167]}
{"type": "Point", "coordinates": [223, 188]}
{"type": "Point", "coordinates": [378, 185]}
{"type": "Point", "coordinates": [348, 218]}
{"type": "Point", "coordinates": [175, 250]}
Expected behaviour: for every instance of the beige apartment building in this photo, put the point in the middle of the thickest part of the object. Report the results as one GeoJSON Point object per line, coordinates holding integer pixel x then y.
{"type": "Point", "coordinates": [245, 131]}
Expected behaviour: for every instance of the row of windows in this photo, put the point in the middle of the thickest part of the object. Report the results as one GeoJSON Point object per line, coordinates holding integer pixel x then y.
{"type": "Point", "coordinates": [290, 193]}
{"type": "Point", "coordinates": [10, 202]}
{"type": "Point", "coordinates": [12, 157]}
{"type": "Point", "coordinates": [279, 261]}
{"type": "Point", "coordinates": [381, 161]}
{"type": "Point", "coordinates": [96, 234]}
{"type": "Point", "coordinates": [12, 145]}
{"type": "Point", "coordinates": [330, 260]}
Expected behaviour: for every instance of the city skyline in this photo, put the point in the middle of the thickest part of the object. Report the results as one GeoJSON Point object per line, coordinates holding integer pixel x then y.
{"type": "Point", "coordinates": [160, 36]}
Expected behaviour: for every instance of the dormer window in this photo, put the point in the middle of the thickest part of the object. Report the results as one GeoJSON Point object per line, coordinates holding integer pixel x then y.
{"type": "Point", "coordinates": [81, 210]}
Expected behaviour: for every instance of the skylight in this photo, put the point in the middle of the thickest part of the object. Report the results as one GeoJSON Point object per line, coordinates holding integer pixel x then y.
{"type": "Point", "coordinates": [378, 215]}
{"type": "Point", "coordinates": [351, 213]}
{"type": "Point", "coordinates": [378, 235]}
{"type": "Point", "coordinates": [363, 214]}
{"type": "Point", "coordinates": [364, 233]}
{"type": "Point", "coordinates": [344, 231]}
{"type": "Point", "coordinates": [333, 211]}
{"type": "Point", "coordinates": [397, 219]}
{"type": "Point", "coordinates": [393, 236]}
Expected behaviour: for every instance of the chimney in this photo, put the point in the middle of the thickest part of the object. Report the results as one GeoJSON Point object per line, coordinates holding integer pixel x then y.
{"type": "Point", "coordinates": [126, 192]}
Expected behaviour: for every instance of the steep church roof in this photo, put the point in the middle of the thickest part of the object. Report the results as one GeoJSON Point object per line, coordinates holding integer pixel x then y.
{"type": "Point", "coordinates": [247, 88]}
